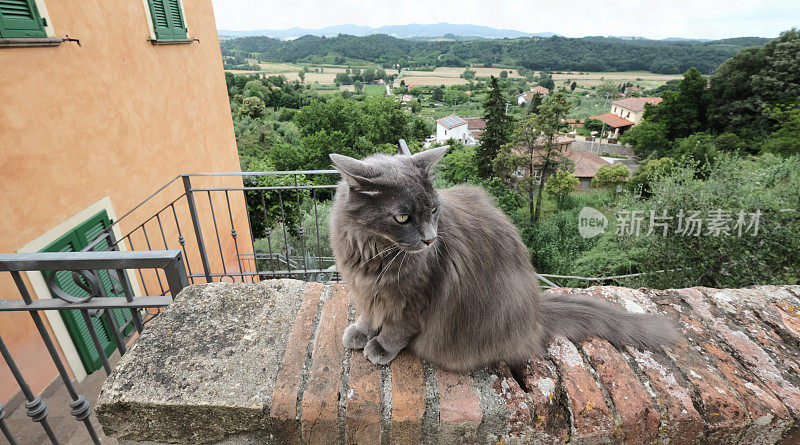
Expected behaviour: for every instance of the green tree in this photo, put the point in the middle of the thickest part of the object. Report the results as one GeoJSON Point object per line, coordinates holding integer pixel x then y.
{"type": "Point", "coordinates": [755, 79]}
{"type": "Point", "coordinates": [611, 176]}
{"type": "Point", "coordinates": [459, 164]}
{"type": "Point", "coordinates": [648, 173]}
{"type": "Point", "coordinates": [468, 74]}
{"type": "Point", "coordinates": [252, 107]}
{"type": "Point", "coordinates": [573, 85]}
{"type": "Point", "coordinates": [359, 86]}
{"type": "Point", "coordinates": [785, 140]}
{"type": "Point", "coordinates": [498, 128]}
{"type": "Point", "coordinates": [682, 112]}
{"type": "Point", "coordinates": [302, 75]}
{"type": "Point", "coordinates": [455, 97]}
{"type": "Point", "coordinates": [649, 139]}
{"type": "Point", "coordinates": [593, 125]}
{"type": "Point", "coordinates": [535, 103]}
{"type": "Point", "coordinates": [504, 74]}
{"type": "Point", "coordinates": [561, 184]}
{"type": "Point", "coordinates": [551, 113]}
{"type": "Point", "coordinates": [547, 82]}
{"type": "Point", "coordinates": [438, 94]}
{"type": "Point", "coordinates": [608, 88]}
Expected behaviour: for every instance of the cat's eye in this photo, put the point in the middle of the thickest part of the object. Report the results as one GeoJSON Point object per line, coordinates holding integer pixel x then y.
{"type": "Point", "coordinates": [435, 209]}
{"type": "Point", "coordinates": [401, 218]}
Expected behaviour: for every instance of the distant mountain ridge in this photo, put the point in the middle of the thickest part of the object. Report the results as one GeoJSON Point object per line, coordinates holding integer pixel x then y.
{"type": "Point", "coordinates": [413, 30]}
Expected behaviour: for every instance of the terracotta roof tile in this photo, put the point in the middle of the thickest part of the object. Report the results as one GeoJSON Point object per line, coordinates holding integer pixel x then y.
{"type": "Point", "coordinates": [612, 120]}
{"type": "Point", "coordinates": [475, 123]}
{"type": "Point", "coordinates": [586, 163]}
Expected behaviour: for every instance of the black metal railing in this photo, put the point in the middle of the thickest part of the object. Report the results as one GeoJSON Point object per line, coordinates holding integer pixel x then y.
{"type": "Point", "coordinates": [103, 291]}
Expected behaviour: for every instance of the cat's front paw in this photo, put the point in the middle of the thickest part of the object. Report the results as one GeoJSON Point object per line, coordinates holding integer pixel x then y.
{"type": "Point", "coordinates": [354, 338]}
{"type": "Point", "coordinates": [377, 354]}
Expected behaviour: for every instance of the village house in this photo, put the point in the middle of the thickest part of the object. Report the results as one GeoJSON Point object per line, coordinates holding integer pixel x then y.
{"type": "Point", "coordinates": [625, 113]}
{"type": "Point", "coordinates": [467, 131]}
{"type": "Point", "coordinates": [585, 163]}
{"type": "Point", "coordinates": [632, 108]}
{"type": "Point", "coordinates": [528, 95]}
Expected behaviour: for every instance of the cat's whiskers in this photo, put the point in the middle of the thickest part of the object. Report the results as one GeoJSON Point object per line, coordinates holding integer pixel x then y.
{"type": "Point", "coordinates": [385, 269]}
{"type": "Point", "coordinates": [436, 254]}
{"type": "Point", "coordinates": [401, 266]}
{"type": "Point", "coordinates": [388, 249]}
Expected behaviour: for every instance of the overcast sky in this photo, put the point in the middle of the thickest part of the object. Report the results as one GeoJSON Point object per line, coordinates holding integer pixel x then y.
{"type": "Point", "coordinates": [712, 19]}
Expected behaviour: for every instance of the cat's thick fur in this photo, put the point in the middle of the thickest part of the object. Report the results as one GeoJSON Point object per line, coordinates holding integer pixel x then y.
{"type": "Point", "coordinates": [468, 299]}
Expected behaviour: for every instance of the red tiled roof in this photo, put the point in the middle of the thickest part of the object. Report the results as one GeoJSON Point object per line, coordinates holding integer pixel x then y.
{"type": "Point", "coordinates": [475, 123]}
{"type": "Point", "coordinates": [612, 120]}
{"type": "Point", "coordinates": [636, 103]}
{"type": "Point", "coordinates": [586, 163]}
{"type": "Point", "coordinates": [540, 90]}
{"type": "Point", "coordinates": [560, 140]}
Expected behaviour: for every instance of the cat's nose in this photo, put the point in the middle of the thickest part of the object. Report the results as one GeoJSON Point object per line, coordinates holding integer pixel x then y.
{"type": "Point", "coordinates": [429, 241]}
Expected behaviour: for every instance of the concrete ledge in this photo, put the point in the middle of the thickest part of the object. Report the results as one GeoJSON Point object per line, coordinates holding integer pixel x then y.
{"type": "Point", "coordinates": [234, 363]}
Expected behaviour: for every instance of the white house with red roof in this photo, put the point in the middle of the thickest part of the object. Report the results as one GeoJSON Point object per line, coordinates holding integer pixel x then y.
{"type": "Point", "coordinates": [467, 131]}
{"type": "Point", "coordinates": [528, 95]}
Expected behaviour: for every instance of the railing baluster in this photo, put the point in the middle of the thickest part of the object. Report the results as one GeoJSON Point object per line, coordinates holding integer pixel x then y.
{"type": "Point", "coordinates": [141, 277]}
{"type": "Point", "coordinates": [3, 428]}
{"type": "Point", "coordinates": [147, 240]}
{"type": "Point", "coordinates": [201, 245]}
{"type": "Point", "coordinates": [285, 239]}
{"type": "Point", "coordinates": [96, 340]}
{"type": "Point", "coordinates": [316, 225]}
{"type": "Point", "coordinates": [126, 286]}
{"type": "Point", "coordinates": [182, 242]}
{"type": "Point", "coordinates": [216, 231]}
{"type": "Point", "coordinates": [80, 407]}
{"type": "Point", "coordinates": [252, 237]}
{"type": "Point", "coordinates": [300, 229]}
{"type": "Point", "coordinates": [115, 330]}
{"type": "Point", "coordinates": [37, 409]}
{"type": "Point", "coordinates": [267, 231]}
{"type": "Point", "coordinates": [233, 235]}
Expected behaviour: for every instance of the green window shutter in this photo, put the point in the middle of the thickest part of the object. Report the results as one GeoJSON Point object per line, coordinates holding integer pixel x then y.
{"type": "Point", "coordinates": [167, 19]}
{"type": "Point", "coordinates": [87, 232]}
{"type": "Point", "coordinates": [176, 19]}
{"type": "Point", "coordinates": [20, 18]}
{"type": "Point", "coordinates": [74, 241]}
{"type": "Point", "coordinates": [73, 319]}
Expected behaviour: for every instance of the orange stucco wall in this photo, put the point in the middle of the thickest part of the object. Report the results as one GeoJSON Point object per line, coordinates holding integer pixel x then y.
{"type": "Point", "coordinates": [116, 117]}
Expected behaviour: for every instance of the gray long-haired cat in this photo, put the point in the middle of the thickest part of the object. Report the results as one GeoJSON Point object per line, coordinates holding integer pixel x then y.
{"type": "Point", "coordinates": [445, 272]}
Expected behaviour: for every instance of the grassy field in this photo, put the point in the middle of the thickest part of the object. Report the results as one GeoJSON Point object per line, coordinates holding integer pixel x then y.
{"type": "Point", "coordinates": [452, 76]}
{"type": "Point", "coordinates": [644, 79]}
{"type": "Point", "coordinates": [449, 76]}
{"type": "Point", "coordinates": [374, 90]}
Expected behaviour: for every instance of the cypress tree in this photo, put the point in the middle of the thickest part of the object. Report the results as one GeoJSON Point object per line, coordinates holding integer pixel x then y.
{"type": "Point", "coordinates": [498, 128]}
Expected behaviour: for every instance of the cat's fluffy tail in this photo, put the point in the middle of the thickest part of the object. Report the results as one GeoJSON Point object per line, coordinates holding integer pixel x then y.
{"type": "Point", "coordinates": [579, 317]}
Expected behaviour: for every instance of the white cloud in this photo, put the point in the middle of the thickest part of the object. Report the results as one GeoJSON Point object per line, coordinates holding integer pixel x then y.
{"type": "Point", "coordinates": [576, 18]}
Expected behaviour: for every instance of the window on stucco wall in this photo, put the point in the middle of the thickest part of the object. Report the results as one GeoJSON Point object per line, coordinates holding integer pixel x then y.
{"type": "Point", "coordinates": [168, 20]}
{"type": "Point", "coordinates": [21, 19]}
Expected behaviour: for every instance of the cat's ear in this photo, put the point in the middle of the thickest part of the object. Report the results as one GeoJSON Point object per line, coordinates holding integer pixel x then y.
{"type": "Point", "coordinates": [427, 160]}
{"type": "Point", "coordinates": [356, 173]}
